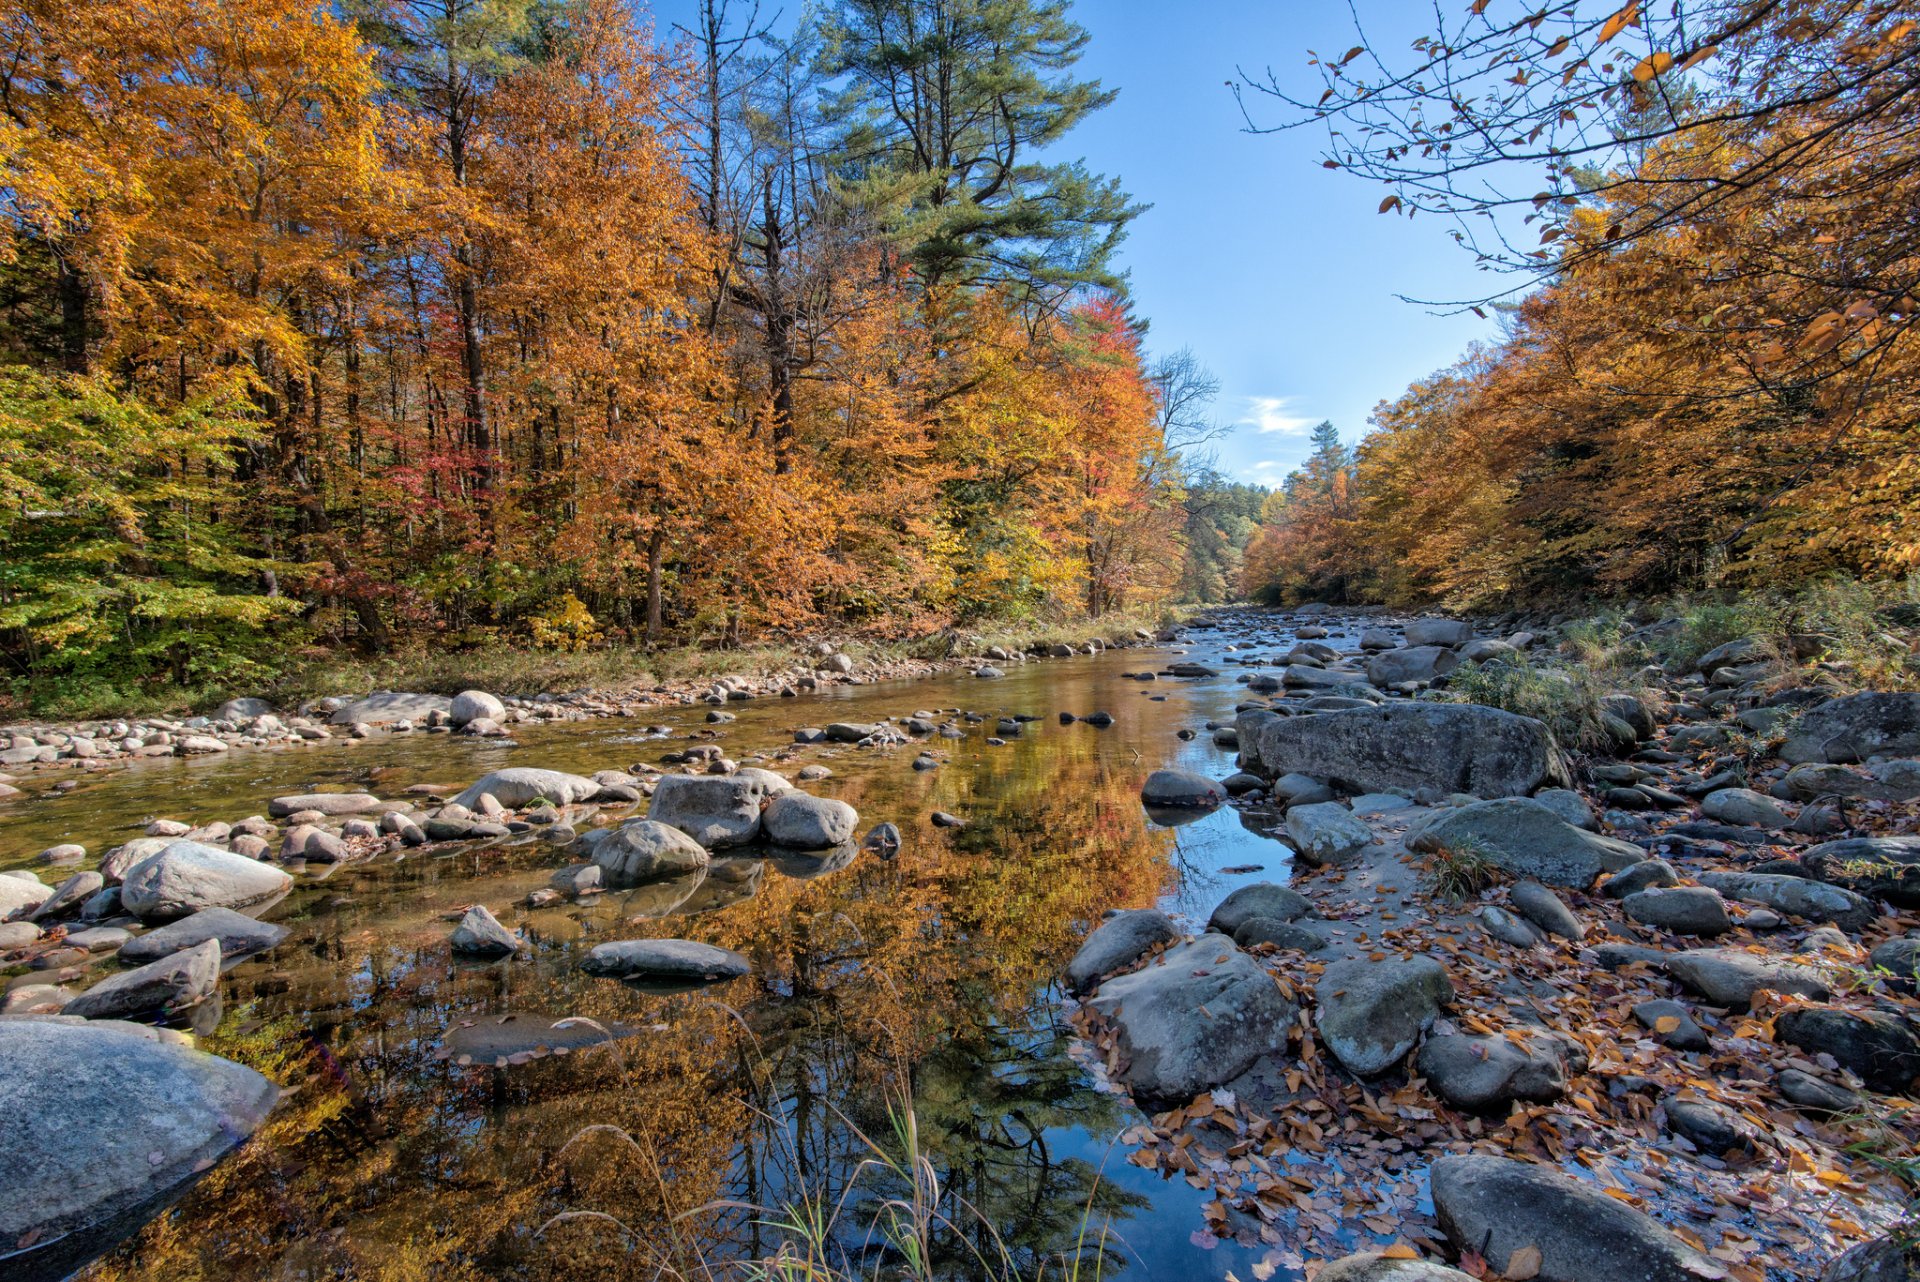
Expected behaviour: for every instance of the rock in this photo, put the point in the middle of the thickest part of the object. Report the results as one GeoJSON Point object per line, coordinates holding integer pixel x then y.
{"type": "Point", "coordinates": [1408, 746]}
{"type": "Point", "coordinates": [1261, 899]}
{"type": "Point", "coordinates": [798, 821]}
{"type": "Point", "coordinates": [79, 1188]}
{"type": "Point", "coordinates": [1434, 632]}
{"type": "Point", "coordinates": [1301, 790]}
{"type": "Point", "coordinates": [1711, 1127]}
{"type": "Point", "coordinates": [198, 745]}
{"type": "Point", "coordinates": [480, 934]}
{"type": "Point", "coordinates": [1378, 639]}
{"type": "Point", "coordinates": [1415, 663]}
{"type": "Point", "coordinates": [1181, 788]}
{"type": "Point", "coordinates": [1817, 779]}
{"type": "Point", "coordinates": [884, 840]}
{"type": "Point", "coordinates": [17, 934]}
{"type": "Point", "coordinates": [1497, 1206]}
{"type": "Point", "coordinates": [69, 894]}
{"type": "Point", "coordinates": [98, 939]}
{"type": "Point", "coordinates": [473, 705]}
{"type": "Point", "coordinates": [1371, 1013]}
{"type": "Point", "coordinates": [716, 810]}
{"type": "Point", "coordinates": [1478, 1073]}
{"type": "Point", "coordinates": [1878, 1047]}
{"type": "Point", "coordinates": [1546, 910]}
{"type": "Point", "coordinates": [1898, 957]}
{"type": "Point", "coordinates": [1811, 1094]}
{"type": "Point", "coordinates": [1327, 831]}
{"type": "Point", "coordinates": [1729, 977]}
{"type": "Point", "coordinates": [1645, 875]}
{"type": "Point", "coordinates": [1242, 783]}
{"type": "Point", "coordinates": [1526, 839]}
{"type": "Point", "coordinates": [22, 893]}
{"type": "Point", "coordinates": [243, 710]}
{"type": "Point", "coordinates": [1509, 928]}
{"type": "Point", "coordinates": [1116, 944]}
{"type": "Point", "coordinates": [1799, 896]}
{"type": "Point", "coordinates": [118, 862]}
{"type": "Point", "coordinates": [1281, 934]}
{"type": "Point", "coordinates": [1856, 727]}
{"type": "Point", "coordinates": [666, 961]}
{"type": "Point", "coordinates": [1684, 910]}
{"type": "Point", "coordinates": [642, 849]}
{"type": "Point", "coordinates": [1673, 1024]}
{"type": "Point", "coordinates": [851, 732]}
{"type": "Point", "coordinates": [517, 786]}
{"type": "Point", "coordinates": [1372, 1266]}
{"type": "Point", "coordinates": [1895, 1258]}
{"type": "Point", "coordinates": [1569, 805]}
{"type": "Point", "coordinates": [185, 877]}
{"type": "Point", "coordinates": [237, 934]}
{"type": "Point", "coordinates": [326, 803]}
{"type": "Point", "coordinates": [577, 880]}
{"type": "Point", "coordinates": [942, 819]}
{"type": "Point", "coordinates": [1883, 867]}
{"type": "Point", "coordinates": [164, 987]}
{"type": "Point", "coordinates": [1197, 1017]}
{"type": "Point", "coordinates": [1743, 807]}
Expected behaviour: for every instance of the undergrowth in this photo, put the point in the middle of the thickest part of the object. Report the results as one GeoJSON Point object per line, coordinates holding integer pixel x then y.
{"type": "Point", "coordinates": [1461, 870]}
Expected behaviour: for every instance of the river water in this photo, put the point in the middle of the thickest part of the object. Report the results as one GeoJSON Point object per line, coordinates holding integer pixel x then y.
{"type": "Point", "coordinates": [718, 1112]}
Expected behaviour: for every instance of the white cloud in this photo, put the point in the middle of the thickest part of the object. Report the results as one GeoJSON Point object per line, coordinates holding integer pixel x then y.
{"type": "Point", "coordinates": [1268, 415]}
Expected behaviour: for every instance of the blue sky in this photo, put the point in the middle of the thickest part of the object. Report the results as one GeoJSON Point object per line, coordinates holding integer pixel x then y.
{"type": "Point", "coordinates": [1279, 274]}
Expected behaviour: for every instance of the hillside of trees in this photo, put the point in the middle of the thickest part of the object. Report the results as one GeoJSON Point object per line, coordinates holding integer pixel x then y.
{"type": "Point", "coordinates": [1698, 224]}
{"type": "Point", "coordinates": [429, 322]}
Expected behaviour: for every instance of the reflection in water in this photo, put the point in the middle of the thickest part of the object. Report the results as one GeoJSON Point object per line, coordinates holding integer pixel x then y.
{"type": "Point", "coordinates": [930, 975]}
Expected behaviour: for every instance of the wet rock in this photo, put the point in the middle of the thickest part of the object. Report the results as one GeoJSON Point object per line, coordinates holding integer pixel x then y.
{"type": "Point", "coordinates": [79, 1188]}
{"type": "Point", "coordinates": [642, 849]}
{"type": "Point", "coordinates": [716, 810]}
{"type": "Point", "coordinates": [1371, 1266]}
{"type": "Point", "coordinates": [1509, 928]}
{"type": "Point", "coordinates": [1684, 910]}
{"type": "Point", "coordinates": [1497, 1206]}
{"type": "Point", "coordinates": [1880, 1048]}
{"type": "Point", "coordinates": [518, 786]}
{"type": "Point", "coordinates": [1546, 910]}
{"type": "Point", "coordinates": [1526, 839]}
{"type": "Point", "coordinates": [1437, 632]}
{"type": "Point", "coordinates": [665, 961]}
{"type": "Point", "coordinates": [1882, 867]}
{"type": "Point", "coordinates": [1198, 1016]}
{"type": "Point", "coordinates": [185, 877]}
{"type": "Point", "coordinates": [941, 819]}
{"type": "Point", "coordinates": [1327, 831]}
{"type": "Point", "coordinates": [1712, 1127]}
{"type": "Point", "coordinates": [1797, 896]}
{"type": "Point", "coordinates": [1477, 1073]}
{"type": "Point", "coordinates": [1116, 944]}
{"type": "Point", "coordinates": [1815, 1095]}
{"type": "Point", "coordinates": [237, 934]}
{"type": "Point", "coordinates": [884, 840]}
{"type": "Point", "coordinates": [1729, 977]}
{"type": "Point", "coordinates": [1181, 788]}
{"type": "Point", "coordinates": [1645, 875]}
{"type": "Point", "coordinates": [851, 732]}
{"type": "Point", "coordinates": [1261, 899]}
{"type": "Point", "coordinates": [1448, 747]}
{"type": "Point", "coordinates": [1371, 1013]}
{"type": "Point", "coordinates": [1743, 807]}
{"type": "Point", "coordinates": [577, 880]}
{"type": "Point", "coordinates": [1855, 728]}
{"type": "Point", "coordinates": [164, 987]}
{"type": "Point", "coordinates": [480, 934]}
{"type": "Point", "coordinates": [798, 821]}
{"type": "Point", "coordinates": [1673, 1024]}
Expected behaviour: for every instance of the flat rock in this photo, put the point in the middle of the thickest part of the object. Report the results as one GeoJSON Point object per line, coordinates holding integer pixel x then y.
{"type": "Point", "coordinates": [1447, 747]}
{"type": "Point", "coordinates": [325, 803]}
{"type": "Point", "coordinates": [238, 935]}
{"type": "Point", "coordinates": [388, 706]}
{"type": "Point", "coordinates": [666, 961]}
{"type": "Point", "coordinates": [81, 1187]}
{"type": "Point", "coordinates": [1796, 896]}
{"type": "Point", "coordinates": [171, 984]}
{"type": "Point", "coordinates": [1684, 910]}
{"type": "Point", "coordinates": [185, 877]}
{"type": "Point", "coordinates": [517, 786]}
{"type": "Point", "coordinates": [1729, 977]}
{"type": "Point", "coordinates": [1527, 839]}
{"type": "Point", "coordinates": [1372, 1012]}
{"type": "Point", "coordinates": [1856, 727]}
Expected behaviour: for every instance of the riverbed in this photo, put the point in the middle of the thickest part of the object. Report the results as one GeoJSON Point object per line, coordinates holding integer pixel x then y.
{"type": "Point", "coordinates": [432, 1129]}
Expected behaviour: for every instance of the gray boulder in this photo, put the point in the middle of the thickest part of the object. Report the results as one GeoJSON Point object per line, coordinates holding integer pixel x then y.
{"type": "Point", "coordinates": [480, 934]}
{"type": "Point", "coordinates": [1371, 1013]}
{"type": "Point", "coordinates": [1449, 632]}
{"type": "Point", "coordinates": [1479, 1072]}
{"type": "Point", "coordinates": [1885, 867]}
{"type": "Point", "coordinates": [1899, 957]}
{"type": "Point", "coordinates": [1371, 1266]}
{"type": "Point", "coordinates": [1199, 1016]}
{"type": "Point", "coordinates": [1684, 910]}
{"type": "Point", "coordinates": [1856, 727]}
{"type": "Point", "coordinates": [665, 961]}
{"type": "Point", "coordinates": [1327, 831]}
{"type": "Point", "coordinates": [799, 821]}
{"type": "Point", "coordinates": [78, 1188]}
{"type": "Point", "coordinates": [716, 810]}
{"type": "Point", "coordinates": [171, 984]}
{"type": "Point", "coordinates": [387, 707]}
{"type": "Point", "coordinates": [1895, 1258]}
{"type": "Point", "coordinates": [1181, 789]}
{"type": "Point", "coordinates": [516, 786]}
{"type": "Point", "coordinates": [1409, 746]}
{"type": "Point", "coordinates": [22, 894]}
{"type": "Point", "coordinates": [1546, 910]}
{"type": "Point", "coordinates": [326, 803]}
{"type": "Point", "coordinates": [475, 705]}
{"type": "Point", "coordinates": [1881, 1048]}
{"type": "Point", "coordinates": [644, 849]}
{"type": "Point", "coordinates": [237, 934]}
{"type": "Point", "coordinates": [1744, 808]}
{"type": "Point", "coordinates": [1116, 944]}
{"type": "Point", "coordinates": [186, 877]}
{"type": "Point", "coordinates": [1263, 899]}
{"type": "Point", "coordinates": [1729, 977]}
{"type": "Point", "coordinates": [1414, 663]}
{"type": "Point", "coordinates": [1500, 1205]}
{"type": "Point", "coordinates": [1798, 896]}
{"type": "Point", "coordinates": [1527, 839]}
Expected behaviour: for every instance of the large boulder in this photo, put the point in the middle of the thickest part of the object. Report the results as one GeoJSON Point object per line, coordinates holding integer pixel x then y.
{"type": "Point", "coordinates": [186, 877]}
{"type": "Point", "coordinates": [1118, 943]}
{"type": "Point", "coordinates": [386, 707]}
{"type": "Point", "coordinates": [1730, 977]}
{"type": "Point", "coordinates": [1884, 867]}
{"type": "Point", "coordinates": [1497, 1206]}
{"type": "Point", "coordinates": [1180, 789]}
{"type": "Point", "coordinates": [326, 803]}
{"type": "Point", "coordinates": [716, 810]}
{"type": "Point", "coordinates": [1479, 1072]}
{"type": "Point", "coordinates": [1375, 1266]}
{"type": "Point", "coordinates": [1372, 1012]}
{"type": "Point", "coordinates": [1413, 663]}
{"type": "Point", "coordinates": [1798, 896]}
{"type": "Point", "coordinates": [1894, 1258]}
{"type": "Point", "coordinates": [1451, 632]}
{"type": "Point", "coordinates": [1879, 1047]}
{"type": "Point", "coordinates": [800, 821]}
{"type": "Point", "coordinates": [237, 934]}
{"type": "Point", "coordinates": [1449, 747]}
{"type": "Point", "coordinates": [1261, 900]}
{"type": "Point", "coordinates": [1527, 838]}
{"type": "Point", "coordinates": [165, 987]}
{"type": "Point", "coordinates": [670, 961]}
{"type": "Point", "coordinates": [1856, 727]}
{"type": "Point", "coordinates": [104, 1126]}
{"type": "Point", "coordinates": [644, 849]}
{"type": "Point", "coordinates": [22, 893]}
{"type": "Point", "coordinates": [1197, 1017]}
{"type": "Point", "coordinates": [475, 705]}
{"type": "Point", "coordinates": [518, 786]}
{"type": "Point", "coordinates": [480, 934]}
{"type": "Point", "coordinates": [1326, 831]}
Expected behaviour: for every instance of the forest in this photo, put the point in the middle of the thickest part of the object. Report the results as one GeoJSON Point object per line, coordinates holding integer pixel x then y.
{"type": "Point", "coordinates": [474, 323]}
{"type": "Point", "coordinates": [1698, 228]}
